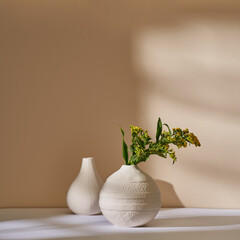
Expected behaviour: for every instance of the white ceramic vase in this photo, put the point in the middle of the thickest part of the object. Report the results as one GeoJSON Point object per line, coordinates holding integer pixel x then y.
{"type": "Point", "coordinates": [130, 197]}
{"type": "Point", "coordinates": [83, 194]}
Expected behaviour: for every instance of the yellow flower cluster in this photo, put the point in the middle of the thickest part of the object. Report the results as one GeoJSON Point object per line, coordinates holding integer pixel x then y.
{"type": "Point", "coordinates": [135, 129]}
{"type": "Point", "coordinates": [194, 140]}
{"type": "Point", "coordinates": [173, 156]}
{"type": "Point", "coordinates": [138, 150]}
{"type": "Point", "coordinates": [181, 137]}
{"type": "Point", "coordinates": [142, 145]}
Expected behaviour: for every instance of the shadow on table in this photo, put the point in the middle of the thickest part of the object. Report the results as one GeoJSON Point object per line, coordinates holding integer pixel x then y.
{"type": "Point", "coordinates": [183, 235]}
{"type": "Point", "coordinates": [183, 228]}
{"type": "Point", "coordinates": [10, 214]}
{"type": "Point", "coordinates": [202, 221]}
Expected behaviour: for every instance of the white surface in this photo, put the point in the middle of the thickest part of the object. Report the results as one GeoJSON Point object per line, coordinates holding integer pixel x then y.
{"type": "Point", "coordinates": [130, 197]}
{"type": "Point", "coordinates": [179, 223]}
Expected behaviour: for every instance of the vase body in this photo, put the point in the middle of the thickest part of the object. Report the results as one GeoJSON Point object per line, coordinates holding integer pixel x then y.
{"type": "Point", "coordinates": [130, 197]}
{"type": "Point", "coordinates": [83, 194]}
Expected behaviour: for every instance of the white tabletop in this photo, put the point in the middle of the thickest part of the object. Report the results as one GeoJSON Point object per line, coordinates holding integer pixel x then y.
{"type": "Point", "coordinates": [178, 223]}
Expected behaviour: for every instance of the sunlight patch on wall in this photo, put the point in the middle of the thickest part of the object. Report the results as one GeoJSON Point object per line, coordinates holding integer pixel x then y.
{"type": "Point", "coordinates": [196, 61]}
{"type": "Point", "coordinates": [190, 77]}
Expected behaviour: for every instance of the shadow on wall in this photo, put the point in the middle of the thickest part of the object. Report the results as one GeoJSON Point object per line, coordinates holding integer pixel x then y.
{"type": "Point", "coordinates": [66, 84]}
{"type": "Point", "coordinates": [169, 197]}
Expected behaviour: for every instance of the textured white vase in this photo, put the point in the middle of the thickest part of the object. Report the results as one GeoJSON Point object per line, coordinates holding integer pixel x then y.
{"type": "Point", "coordinates": [130, 197]}
{"type": "Point", "coordinates": [83, 194]}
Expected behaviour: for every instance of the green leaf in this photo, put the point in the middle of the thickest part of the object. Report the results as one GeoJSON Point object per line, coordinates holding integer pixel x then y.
{"type": "Point", "coordinates": [159, 129]}
{"type": "Point", "coordinates": [124, 148]}
{"type": "Point", "coordinates": [170, 133]}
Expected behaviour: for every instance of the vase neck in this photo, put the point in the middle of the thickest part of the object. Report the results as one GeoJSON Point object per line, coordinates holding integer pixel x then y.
{"type": "Point", "coordinates": [88, 163]}
{"type": "Point", "coordinates": [129, 167]}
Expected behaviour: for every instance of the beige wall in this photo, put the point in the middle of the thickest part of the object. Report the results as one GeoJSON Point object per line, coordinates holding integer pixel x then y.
{"type": "Point", "coordinates": [72, 71]}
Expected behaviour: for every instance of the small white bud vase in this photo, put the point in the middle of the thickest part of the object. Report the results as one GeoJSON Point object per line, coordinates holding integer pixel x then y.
{"type": "Point", "coordinates": [83, 194]}
{"type": "Point", "coordinates": [130, 197]}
